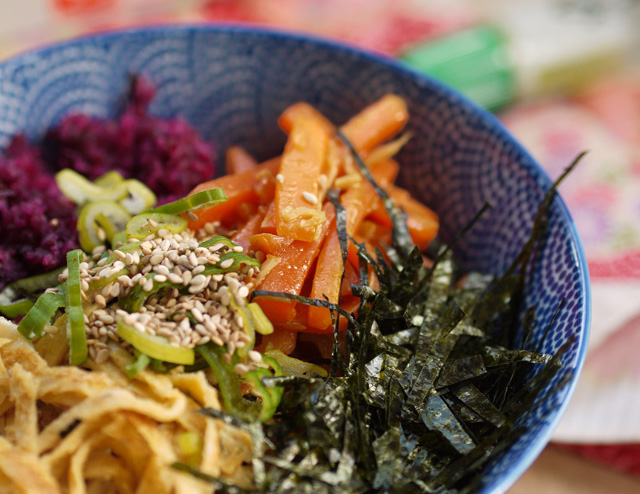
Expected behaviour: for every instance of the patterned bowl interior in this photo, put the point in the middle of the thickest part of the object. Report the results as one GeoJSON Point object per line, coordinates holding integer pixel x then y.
{"type": "Point", "coordinates": [233, 83]}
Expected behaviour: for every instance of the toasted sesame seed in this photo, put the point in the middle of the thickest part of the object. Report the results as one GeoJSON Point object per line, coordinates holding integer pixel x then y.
{"type": "Point", "coordinates": [156, 259]}
{"type": "Point", "coordinates": [160, 278]}
{"type": "Point", "coordinates": [100, 300]}
{"type": "Point", "coordinates": [120, 254]}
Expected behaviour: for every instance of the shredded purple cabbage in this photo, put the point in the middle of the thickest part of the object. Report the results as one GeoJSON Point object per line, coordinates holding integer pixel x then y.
{"type": "Point", "coordinates": [166, 154]}
{"type": "Point", "coordinates": [39, 224]}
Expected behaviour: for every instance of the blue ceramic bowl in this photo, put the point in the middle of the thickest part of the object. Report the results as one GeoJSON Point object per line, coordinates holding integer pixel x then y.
{"type": "Point", "coordinates": [233, 83]}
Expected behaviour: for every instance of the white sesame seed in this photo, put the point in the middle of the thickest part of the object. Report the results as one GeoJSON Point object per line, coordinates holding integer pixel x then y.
{"type": "Point", "coordinates": [100, 300]}
{"type": "Point", "coordinates": [310, 198]}
{"type": "Point", "coordinates": [186, 277]}
{"type": "Point", "coordinates": [255, 356]}
{"type": "Point", "coordinates": [151, 223]}
{"type": "Point", "coordinates": [161, 269]}
{"type": "Point", "coordinates": [174, 278]}
{"type": "Point", "coordinates": [148, 285]}
{"type": "Point", "coordinates": [115, 290]}
{"type": "Point", "coordinates": [238, 248]}
{"type": "Point", "coordinates": [156, 259]}
{"type": "Point", "coordinates": [160, 278]}
{"type": "Point", "coordinates": [226, 263]}
{"type": "Point", "coordinates": [120, 254]}
{"type": "Point", "coordinates": [280, 178]}
{"type": "Point", "coordinates": [243, 292]}
{"type": "Point", "coordinates": [197, 314]}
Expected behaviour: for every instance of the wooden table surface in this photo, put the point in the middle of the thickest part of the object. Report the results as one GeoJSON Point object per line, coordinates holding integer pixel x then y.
{"type": "Point", "coordinates": [559, 472]}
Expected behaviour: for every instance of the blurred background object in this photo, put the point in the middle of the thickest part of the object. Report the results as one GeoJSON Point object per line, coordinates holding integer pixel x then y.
{"type": "Point", "coordinates": [563, 75]}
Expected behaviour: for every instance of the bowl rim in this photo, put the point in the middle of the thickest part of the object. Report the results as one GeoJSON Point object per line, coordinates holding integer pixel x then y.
{"type": "Point", "coordinates": [509, 477]}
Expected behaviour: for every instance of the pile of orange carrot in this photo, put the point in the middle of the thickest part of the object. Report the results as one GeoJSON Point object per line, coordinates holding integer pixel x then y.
{"type": "Point", "coordinates": [279, 212]}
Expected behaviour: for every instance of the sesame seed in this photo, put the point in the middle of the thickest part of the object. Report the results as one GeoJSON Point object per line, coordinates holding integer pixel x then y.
{"type": "Point", "coordinates": [100, 300]}
{"type": "Point", "coordinates": [120, 254]}
{"type": "Point", "coordinates": [151, 223]}
{"type": "Point", "coordinates": [310, 198]}
{"type": "Point", "coordinates": [280, 178]}
{"type": "Point", "coordinates": [160, 278]}
{"type": "Point", "coordinates": [174, 278]}
{"type": "Point", "coordinates": [148, 285]}
{"type": "Point", "coordinates": [192, 216]}
{"type": "Point", "coordinates": [243, 292]}
{"type": "Point", "coordinates": [241, 368]}
{"type": "Point", "coordinates": [226, 263]}
{"type": "Point", "coordinates": [255, 356]}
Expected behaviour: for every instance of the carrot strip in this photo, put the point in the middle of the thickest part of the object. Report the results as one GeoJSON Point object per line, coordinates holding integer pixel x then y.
{"type": "Point", "coordinates": [297, 208]}
{"type": "Point", "coordinates": [303, 110]}
{"type": "Point", "coordinates": [269, 243]}
{"type": "Point", "coordinates": [251, 227]}
{"type": "Point", "coordinates": [378, 122]}
{"type": "Point", "coordinates": [361, 198]}
{"type": "Point", "coordinates": [326, 281]}
{"type": "Point", "coordinates": [291, 272]}
{"type": "Point", "coordinates": [280, 339]}
{"type": "Point", "coordinates": [375, 124]}
{"type": "Point", "coordinates": [237, 160]}
{"type": "Point", "coordinates": [421, 221]}
{"type": "Point", "coordinates": [240, 188]}
{"type": "Point", "coordinates": [268, 224]}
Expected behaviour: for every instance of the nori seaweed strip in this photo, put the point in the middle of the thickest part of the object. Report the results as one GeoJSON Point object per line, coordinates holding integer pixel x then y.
{"type": "Point", "coordinates": [400, 232]}
{"type": "Point", "coordinates": [459, 370]}
{"type": "Point", "coordinates": [438, 416]}
{"type": "Point", "coordinates": [478, 402]}
{"type": "Point", "coordinates": [337, 359]}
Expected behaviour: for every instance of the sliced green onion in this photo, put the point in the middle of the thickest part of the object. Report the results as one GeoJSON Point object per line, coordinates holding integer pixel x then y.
{"type": "Point", "coordinates": [81, 191]}
{"type": "Point", "coordinates": [40, 314]}
{"type": "Point", "coordinates": [270, 396]}
{"type": "Point", "coordinates": [88, 227]}
{"type": "Point", "coordinates": [139, 197]}
{"type": "Point", "coordinates": [137, 364]}
{"type": "Point", "coordinates": [137, 296]}
{"type": "Point", "coordinates": [139, 226]}
{"type": "Point", "coordinates": [229, 384]}
{"type": "Point", "coordinates": [75, 315]}
{"type": "Point", "coordinates": [154, 346]}
{"type": "Point", "coordinates": [218, 239]}
{"type": "Point", "coordinates": [33, 284]}
{"type": "Point", "coordinates": [202, 199]}
{"type": "Point", "coordinates": [112, 225]}
{"type": "Point", "coordinates": [109, 179]}
{"type": "Point", "coordinates": [248, 327]}
{"type": "Point", "coordinates": [119, 238]}
{"type": "Point", "coordinates": [17, 308]}
{"type": "Point", "coordinates": [293, 367]}
{"type": "Point", "coordinates": [131, 194]}
{"type": "Point", "coordinates": [261, 322]}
